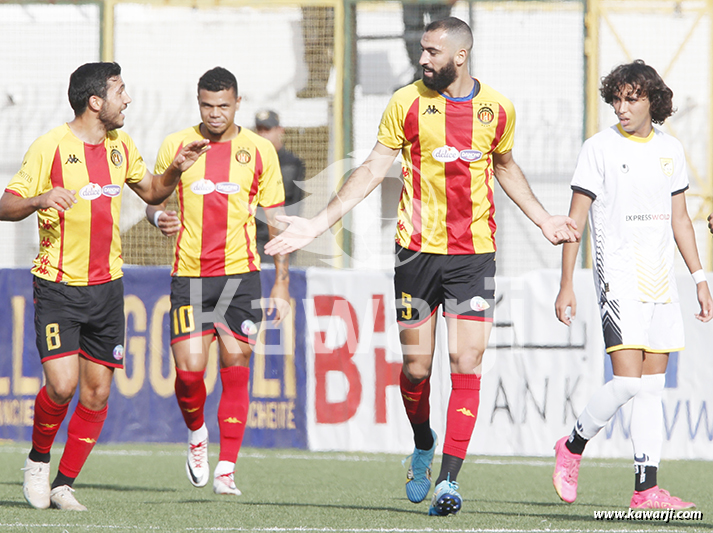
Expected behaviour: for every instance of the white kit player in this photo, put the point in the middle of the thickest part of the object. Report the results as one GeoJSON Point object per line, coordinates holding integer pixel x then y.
{"type": "Point", "coordinates": [631, 179]}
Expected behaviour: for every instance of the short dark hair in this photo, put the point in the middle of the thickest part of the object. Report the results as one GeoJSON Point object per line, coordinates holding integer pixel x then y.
{"type": "Point", "coordinates": [218, 79]}
{"type": "Point", "coordinates": [90, 80]}
{"type": "Point", "coordinates": [644, 81]}
{"type": "Point", "coordinates": [455, 27]}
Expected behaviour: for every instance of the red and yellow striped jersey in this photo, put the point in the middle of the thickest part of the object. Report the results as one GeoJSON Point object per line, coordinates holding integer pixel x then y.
{"type": "Point", "coordinates": [81, 246]}
{"type": "Point", "coordinates": [217, 200]}
{"type": "Point", "coordinates": [446, 204]}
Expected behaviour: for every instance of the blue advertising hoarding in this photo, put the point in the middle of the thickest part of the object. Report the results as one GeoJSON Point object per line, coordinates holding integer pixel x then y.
{"type": "Point", "coordinates": [142, 405]}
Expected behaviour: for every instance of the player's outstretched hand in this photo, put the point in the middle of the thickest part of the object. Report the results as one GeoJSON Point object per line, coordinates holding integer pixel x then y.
{"type": "Point", "coordinates": [566, 300]}
{"type": "Point", "coordinates": [559, 229]}
{"type": "Point", "coordinates": [169, 223]}
{"type": "Point", "coordinates": [705, 301]}
{"type": "Point", "coordinates": [710, 222]}
{"type": "Point", "coordinates": [190, 153]}
{"type": "Point", "coordinates": [298, 234]}
{"type": "Point", "coordinates": [58, 198]}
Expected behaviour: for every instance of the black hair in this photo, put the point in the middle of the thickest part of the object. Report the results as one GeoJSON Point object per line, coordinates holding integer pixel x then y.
{"type": "Point", "coordinates": [455, 27]}
{"type": "Point", "coordinates": [91, 79]}
{"type": "Point", "coordinates": [218, 79]}
{"type": "Point", "coordinates": [644, 81]}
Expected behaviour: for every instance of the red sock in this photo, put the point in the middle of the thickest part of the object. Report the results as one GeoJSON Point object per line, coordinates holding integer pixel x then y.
{"type": "Point", "coordinates": [48, 418]}
{"type": "Point", "coordinates": [416, 399]}
{"type": "Point", "coordinates": [462, 412]}
{"type": "Point", "coordinates": [82, 434]}
{"type": "Point", "coordinates": [190, 393]}
{"type": "Point", "coordinates": [233, 410]}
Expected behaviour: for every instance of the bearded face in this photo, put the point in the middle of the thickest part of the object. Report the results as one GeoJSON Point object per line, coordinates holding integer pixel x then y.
{"type": "Point", "coordinates": [439, 80]}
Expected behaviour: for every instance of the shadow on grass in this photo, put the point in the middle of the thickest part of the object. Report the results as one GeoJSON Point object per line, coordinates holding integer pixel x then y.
{"type": "Point", "coordinates": [542, 504]}
{"type": "Point", "coordinates": [416, 511]}
{"type": "Point", "coordinates": [122, 488]}
{"type": "Point", "coordinates": [17, 504]}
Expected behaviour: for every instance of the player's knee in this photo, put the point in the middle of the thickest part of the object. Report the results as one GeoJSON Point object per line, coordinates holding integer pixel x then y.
{"type": "Point", "coordinates": [416, 372]}
{"type": "Point", "coordinates": [466, 361]}
{"type": "Point", "coordinates": [96, 397]}
{"type": "Point", "coordinates": [61, 393]}
{"type": "Point", "coordinates": [626, 387]}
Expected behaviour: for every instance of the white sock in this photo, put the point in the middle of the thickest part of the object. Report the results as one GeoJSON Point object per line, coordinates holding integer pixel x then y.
{"type": "Point", "coordinates": [647, 421]}
{"type": "Point", "coordinates": [223, 467]}
{"type": "Point", "coordinates": [199, 435]}
{"type": "Point", "coordinates": [604, 404]}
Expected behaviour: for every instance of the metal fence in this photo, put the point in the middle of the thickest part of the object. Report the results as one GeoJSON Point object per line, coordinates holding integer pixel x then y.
{"type": "Point", "coordinates": [329, 69]}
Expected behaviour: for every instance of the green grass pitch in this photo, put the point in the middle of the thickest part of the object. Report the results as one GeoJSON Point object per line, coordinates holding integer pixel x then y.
{"type": "Point", "coordinates": [144, 488]}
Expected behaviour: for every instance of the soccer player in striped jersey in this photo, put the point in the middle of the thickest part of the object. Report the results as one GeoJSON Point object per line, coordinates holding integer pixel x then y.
{"type": "Point", "coordinates": [455, 135]}
{"type": "Point", "coordinates": [631, 178]}
{"type": "Point", "coordinates": [73, 178]}
{"type": "Point", "coordinates": [215, 290]}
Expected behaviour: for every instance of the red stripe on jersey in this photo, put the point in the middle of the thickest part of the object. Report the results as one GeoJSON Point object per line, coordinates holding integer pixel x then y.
{"type": "Point", "coordinates": [459, 204]}
{"type": "Point", "coordinates": [215, 211]}
{"type": "Point", "coordinates": [57, 180]}
{"type": "Point", "coordinates": [411, 132]}
{"type": "Point", "coordinates": [101, 231]}
{"type": "Point", "coordinates": [253, 192]}
{"type": "Point", "coordinates": [13, 192]}
{"type": "Point", "coordinates": [179, 192]}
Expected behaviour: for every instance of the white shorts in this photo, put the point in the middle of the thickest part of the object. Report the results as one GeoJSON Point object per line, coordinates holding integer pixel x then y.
{"type": "Point", "coordinates": [633, 325]}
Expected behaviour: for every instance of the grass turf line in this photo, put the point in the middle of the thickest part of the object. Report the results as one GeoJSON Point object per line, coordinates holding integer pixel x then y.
{"type": "Point", "coordinates": [132, 487]}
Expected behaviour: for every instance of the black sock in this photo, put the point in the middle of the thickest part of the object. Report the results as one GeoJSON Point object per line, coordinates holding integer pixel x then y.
{"type": "Point", "coordinates": [39, 457]}
{"type": "Point", "coordinates": [576, 443]}
{"type": "Point", "coordinates": [450, 466]}
{"type": "Point", "coordinates": [644, 477]}
{"type": "Point", "coordinates": [61, 479]}
{"type": "Point", "coordinates": [422, 435]}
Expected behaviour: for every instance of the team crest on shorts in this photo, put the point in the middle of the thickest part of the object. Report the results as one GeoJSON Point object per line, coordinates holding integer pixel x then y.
{"type": "Point", "coordinates": [667, 166]}
{"type": "Point", "coordinates": [243, 157]}
{"type": "Point", "coordinates": [478, 303]}
{"type": "Point", "coordinates": [116, 157]}
{"type": "Point", "coordinates": [248, 327]}
{"type": "Point", "coordinates": [118, 352]}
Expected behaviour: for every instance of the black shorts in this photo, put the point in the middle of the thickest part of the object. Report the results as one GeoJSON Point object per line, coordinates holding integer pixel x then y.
{"type": "Point", "coordinates": [228, 303]}
{"type": "Point", "coordinates": [463, 284]}
{"type": "Point", "coordinates": [86, 320]}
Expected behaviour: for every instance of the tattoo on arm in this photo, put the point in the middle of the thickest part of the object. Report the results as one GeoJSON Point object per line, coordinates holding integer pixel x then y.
{"type": "Point", "coordinates": [282, 271]}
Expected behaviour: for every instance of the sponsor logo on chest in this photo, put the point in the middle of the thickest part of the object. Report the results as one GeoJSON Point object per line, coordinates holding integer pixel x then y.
{"type": "Point", "coordinates": [92, 191]}
{"type": "Point", "coordinates": [204, 186]}
{"type": "Point", "coordinates": [448, 154]}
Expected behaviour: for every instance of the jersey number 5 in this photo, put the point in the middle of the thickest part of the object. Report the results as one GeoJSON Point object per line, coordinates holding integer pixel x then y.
{"type": "Point", "coordinates": [406, 304]}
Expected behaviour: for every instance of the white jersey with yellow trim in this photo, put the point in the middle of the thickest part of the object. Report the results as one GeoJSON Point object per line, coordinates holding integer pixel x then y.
{"type": "Point", "coordinates": [631, 181]}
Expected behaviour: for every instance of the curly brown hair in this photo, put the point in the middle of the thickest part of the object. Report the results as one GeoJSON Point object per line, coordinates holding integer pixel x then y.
{"type": "Point", "coordinates": [645, 81]}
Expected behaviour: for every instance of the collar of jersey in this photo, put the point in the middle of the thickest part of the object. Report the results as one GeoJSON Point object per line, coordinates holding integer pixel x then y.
{"type": "Point", "coordinates": [476, 87]}
{"type": "Point", "coordinates": [634, 137]}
